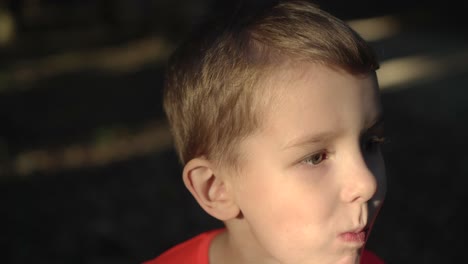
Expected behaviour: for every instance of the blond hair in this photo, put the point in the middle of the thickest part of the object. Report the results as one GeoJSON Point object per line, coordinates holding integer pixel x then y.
{"type": "Point", "coordinates": [213, 82]}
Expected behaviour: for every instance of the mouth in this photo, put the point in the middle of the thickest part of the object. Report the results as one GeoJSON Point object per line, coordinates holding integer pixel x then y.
{"type": "Point", "coordinates": [356, 236]}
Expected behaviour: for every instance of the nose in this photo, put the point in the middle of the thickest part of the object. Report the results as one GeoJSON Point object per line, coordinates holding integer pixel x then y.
{"type": "Point", "coordinates": [360, 183]}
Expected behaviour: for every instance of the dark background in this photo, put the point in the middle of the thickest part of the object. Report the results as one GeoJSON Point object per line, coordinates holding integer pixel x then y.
{"type": "Point", "coordinates": [87, 171]}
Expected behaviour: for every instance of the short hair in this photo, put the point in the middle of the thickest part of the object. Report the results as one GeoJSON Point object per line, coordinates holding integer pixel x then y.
{"type": "Point", "coordinates": [213, 81]}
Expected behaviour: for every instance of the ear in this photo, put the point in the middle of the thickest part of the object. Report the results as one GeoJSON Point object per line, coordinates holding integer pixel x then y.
{"type": "Point", "coordinates": [210, 190]}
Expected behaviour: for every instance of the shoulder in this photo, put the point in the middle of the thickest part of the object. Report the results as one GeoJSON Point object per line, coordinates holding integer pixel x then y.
{"type": "Point", "coordinates": [194, 250]}
{"type": "Point", "coordinates": [370, 258]}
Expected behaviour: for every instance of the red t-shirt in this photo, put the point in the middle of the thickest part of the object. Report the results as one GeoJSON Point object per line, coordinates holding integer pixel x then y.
{"type": "Point", "coordinates": [195, 251]}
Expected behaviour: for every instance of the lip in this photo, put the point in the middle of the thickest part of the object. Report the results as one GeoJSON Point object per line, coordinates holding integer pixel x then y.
{"type": "Point", "coordinates": [355, 236]}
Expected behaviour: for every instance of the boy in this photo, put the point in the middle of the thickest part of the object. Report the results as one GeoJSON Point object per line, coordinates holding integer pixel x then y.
{"type": "Point", "coordinates": [277, 121]}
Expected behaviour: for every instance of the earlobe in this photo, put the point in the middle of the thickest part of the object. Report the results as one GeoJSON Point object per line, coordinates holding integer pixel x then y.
{"type": "Point", "coordinates": [209, 189]}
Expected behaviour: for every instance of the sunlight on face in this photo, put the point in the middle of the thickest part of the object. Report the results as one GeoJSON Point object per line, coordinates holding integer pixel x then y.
{"type": "Point", "coordinates": [313, 178]}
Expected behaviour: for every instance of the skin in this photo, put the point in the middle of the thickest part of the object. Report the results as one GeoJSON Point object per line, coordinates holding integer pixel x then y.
{"type": "Point", "coordinates": [314, 172]}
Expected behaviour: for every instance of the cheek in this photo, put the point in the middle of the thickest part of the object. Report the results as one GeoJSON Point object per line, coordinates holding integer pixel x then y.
{"type": "Point", "coordinates": [277, 222]}
{"type": "Point", "coordinates": [284, 212]}
{"type": "Point", "coordinates": [265, 199]}
{"type": "Point", "coordinates": [290, 226]}
{"type": "Point", "coordinates": [284, 198]}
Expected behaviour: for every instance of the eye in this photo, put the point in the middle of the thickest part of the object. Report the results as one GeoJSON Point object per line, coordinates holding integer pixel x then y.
{"type": "Point", "coordinates": [316, 158]}
{"type": "Point", "coordinates": [373, 143]}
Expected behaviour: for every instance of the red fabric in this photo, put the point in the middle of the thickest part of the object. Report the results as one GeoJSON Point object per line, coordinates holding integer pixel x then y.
{"type": "Point", "coordinates": [370, 258]}
{"type": "Point", "coordinates": [195, 251]}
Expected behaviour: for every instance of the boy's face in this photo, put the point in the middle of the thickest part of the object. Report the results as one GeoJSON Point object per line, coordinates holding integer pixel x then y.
{"type": "Point", "coordinates": [313, 179]}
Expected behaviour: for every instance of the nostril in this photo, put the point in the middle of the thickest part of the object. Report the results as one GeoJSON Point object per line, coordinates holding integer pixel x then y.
{"type": "Point", "coordinates": [360, 188]}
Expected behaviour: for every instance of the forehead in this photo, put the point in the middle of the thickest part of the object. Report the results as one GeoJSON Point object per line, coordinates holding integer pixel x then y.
{"type": "Point", "coordinates": [311, 98]}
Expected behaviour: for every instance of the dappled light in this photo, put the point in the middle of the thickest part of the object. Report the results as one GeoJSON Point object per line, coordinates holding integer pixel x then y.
{"type": "Point", "coordinates": [7, 27]}
{"type": "Point", "coordinates": [376, 28]}
{"type": "Point", "coordinates": [129, 57]}
{"type": "Point", "coordinates": [110, 148]}
{"type": "Point", "coordinates": [417, 69]}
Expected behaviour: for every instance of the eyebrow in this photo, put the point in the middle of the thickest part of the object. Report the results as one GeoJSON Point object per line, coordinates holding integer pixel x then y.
{"type": "Point", "coordinates": [310, 140]}
{"type": "Point", "coordinates": [328, 135]}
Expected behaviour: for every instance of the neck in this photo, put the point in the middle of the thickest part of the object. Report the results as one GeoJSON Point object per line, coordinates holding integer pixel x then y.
{"type": "Point", "coordinates": [237, 246]}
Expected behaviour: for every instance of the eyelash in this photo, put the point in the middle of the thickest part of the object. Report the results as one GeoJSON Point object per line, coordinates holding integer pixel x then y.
{"type": "Point", "coordinates": [316, 158]}
{"type": "Point", "coordinates": [373, 143]}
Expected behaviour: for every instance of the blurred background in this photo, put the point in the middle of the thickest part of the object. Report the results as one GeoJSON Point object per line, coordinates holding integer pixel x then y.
{"type": "Point", "coordinates": [87, 169]}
